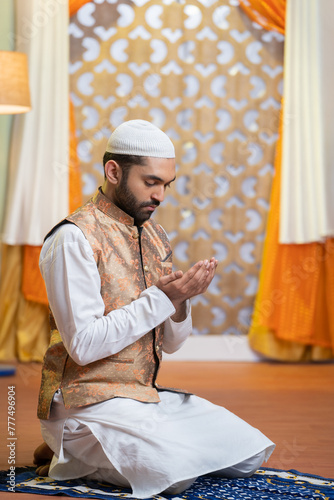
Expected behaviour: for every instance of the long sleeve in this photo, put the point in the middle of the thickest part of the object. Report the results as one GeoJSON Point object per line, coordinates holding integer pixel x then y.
{"type": "Point", "coordinates": [73, 286]}
{"type": "Point", "coordinates": [176, 334]}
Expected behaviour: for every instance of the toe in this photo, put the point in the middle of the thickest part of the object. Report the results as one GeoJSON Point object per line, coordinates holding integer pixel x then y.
{"type": "Point", "coordinates": [43, 470]}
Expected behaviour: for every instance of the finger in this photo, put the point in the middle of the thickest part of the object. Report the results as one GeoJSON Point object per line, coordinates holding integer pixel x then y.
{"type": "Point", "coordinates": [204, 271]}
{"type": "Point", "coordinates": [169, 278]}
{"type": "Point", "coordinates": [208, 277]}
{"type": "Point", "coordinates": [198, 283]}
{"type": "Point", "coordinates": [200, 272]}
{"type": "Point", "coordinates": [194, 281]}
{"type": "Point", "coordinates": [189, 275]}
{"type": "Point", "coordinates": [212, 270]}
{"type": "Point", "coordinates": [214, 264]}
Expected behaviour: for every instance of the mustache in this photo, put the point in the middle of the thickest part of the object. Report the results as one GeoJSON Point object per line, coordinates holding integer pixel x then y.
{"type": "Point", "coordinates": [155, 203]}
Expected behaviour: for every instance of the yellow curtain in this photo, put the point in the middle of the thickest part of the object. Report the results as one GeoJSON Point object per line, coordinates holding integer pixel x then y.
{"type": "Point", "coordinates": [293, 317]}
{"type": "Point", "coordinates": [24, 329]}
{"type": "Point", "coordinates": [270, 14]}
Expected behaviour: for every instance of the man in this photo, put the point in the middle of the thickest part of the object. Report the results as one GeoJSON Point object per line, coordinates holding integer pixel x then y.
{"type": "Point", "coordinates": [116, 304]}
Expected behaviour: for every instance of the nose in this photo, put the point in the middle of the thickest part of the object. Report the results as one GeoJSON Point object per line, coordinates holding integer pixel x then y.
{"type": "Point", "coordinates": [158, 194]}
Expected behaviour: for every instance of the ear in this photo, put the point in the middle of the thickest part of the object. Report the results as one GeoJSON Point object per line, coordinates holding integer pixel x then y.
{"type": "Point", "coordinates": [113, 172]}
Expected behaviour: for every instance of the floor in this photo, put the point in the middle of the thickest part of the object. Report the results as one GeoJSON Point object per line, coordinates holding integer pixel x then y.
{"type": "Point", "coordinates": [292, 404]}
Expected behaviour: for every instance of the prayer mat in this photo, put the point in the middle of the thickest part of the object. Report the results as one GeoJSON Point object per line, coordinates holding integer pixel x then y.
{"type": "Point", "coordinates": [265, 484]}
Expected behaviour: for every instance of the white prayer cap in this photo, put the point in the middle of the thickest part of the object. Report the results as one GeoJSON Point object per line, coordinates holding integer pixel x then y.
{"type": "Point", "coordinates": [140, 138]}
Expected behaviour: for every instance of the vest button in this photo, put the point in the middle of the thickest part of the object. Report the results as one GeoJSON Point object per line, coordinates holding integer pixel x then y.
{"type": "Point", "coordinates": [135, 236]}
{"type": "Point", "coordinates": [146, 269]}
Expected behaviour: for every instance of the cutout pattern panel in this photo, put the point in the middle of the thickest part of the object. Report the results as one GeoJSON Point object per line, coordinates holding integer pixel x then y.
{"type": "Point", "coordinates": [212, 80]}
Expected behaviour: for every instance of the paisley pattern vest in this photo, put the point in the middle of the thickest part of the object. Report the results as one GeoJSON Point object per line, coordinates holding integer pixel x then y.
{"type": "Point", "coordinates": [128, 260]}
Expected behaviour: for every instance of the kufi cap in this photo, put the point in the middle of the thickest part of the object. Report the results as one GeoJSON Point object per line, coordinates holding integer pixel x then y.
{"type": "Point", "coordinates": [140, 138]}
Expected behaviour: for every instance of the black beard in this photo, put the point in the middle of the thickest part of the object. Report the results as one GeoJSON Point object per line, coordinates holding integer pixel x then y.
{"type": "Point", "coordinates": [126, 201]}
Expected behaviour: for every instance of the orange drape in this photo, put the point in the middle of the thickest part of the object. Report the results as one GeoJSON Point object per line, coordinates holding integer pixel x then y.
{"type": "Point", "coordinates": [74, 5]}
{"type": "Point", "coordinates": [293, 316]}
{"type": "Point", "coordinates": [293, 307]}
{"type": "Point", "coordinates": [270, 14]}
{"type": "Point", "coordinates": [33, 287]}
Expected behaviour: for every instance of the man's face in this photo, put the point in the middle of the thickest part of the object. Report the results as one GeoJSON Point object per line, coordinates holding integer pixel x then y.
{"type": "Point", "coordinates": [143, 189]}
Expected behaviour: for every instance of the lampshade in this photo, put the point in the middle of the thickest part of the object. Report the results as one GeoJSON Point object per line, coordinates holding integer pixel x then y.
{"type": "Point", "coordinates": [14, 83]}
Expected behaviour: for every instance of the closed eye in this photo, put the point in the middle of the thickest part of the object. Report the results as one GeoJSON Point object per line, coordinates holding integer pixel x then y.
{"type": "Point", "coordinates": [153, 180]}
{"type": "Point", "coordinates": [152, 184]}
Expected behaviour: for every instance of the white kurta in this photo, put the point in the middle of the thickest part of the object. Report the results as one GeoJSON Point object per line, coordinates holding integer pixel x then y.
{"type": "Point", "coordinates": [147, 446]}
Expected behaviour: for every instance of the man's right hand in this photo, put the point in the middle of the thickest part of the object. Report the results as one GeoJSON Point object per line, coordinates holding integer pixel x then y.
{"type": "Point", "coordinates": [179, 287]}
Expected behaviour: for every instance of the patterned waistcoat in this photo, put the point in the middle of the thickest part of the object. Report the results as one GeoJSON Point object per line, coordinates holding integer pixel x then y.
{"type": "Point", "coordinates": [127, 263]}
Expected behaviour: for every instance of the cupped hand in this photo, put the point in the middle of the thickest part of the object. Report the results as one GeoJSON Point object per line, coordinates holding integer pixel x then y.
{"type": "Point", "coordinates": [179, 286]}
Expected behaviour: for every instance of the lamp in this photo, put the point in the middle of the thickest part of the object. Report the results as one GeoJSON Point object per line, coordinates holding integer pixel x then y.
{"type": "Point", "coordinates": [14, 83]}
{"type": "Point", "coordinates": [14, 99]}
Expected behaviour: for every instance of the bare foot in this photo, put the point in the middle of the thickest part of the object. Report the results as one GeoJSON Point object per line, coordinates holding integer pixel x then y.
{"type": "Point", "coordinates": [42, 458]}
{"type": "Point", "coordinates": [43, 470]}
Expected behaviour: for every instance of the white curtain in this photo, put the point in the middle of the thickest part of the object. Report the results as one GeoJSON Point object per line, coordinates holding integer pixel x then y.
{"type": "Point", "coordinates": [6, 27]}
{"type": "Point", "coordinates": [38, 169]}
{"type": "Point", "coordinates": [307, 194]}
